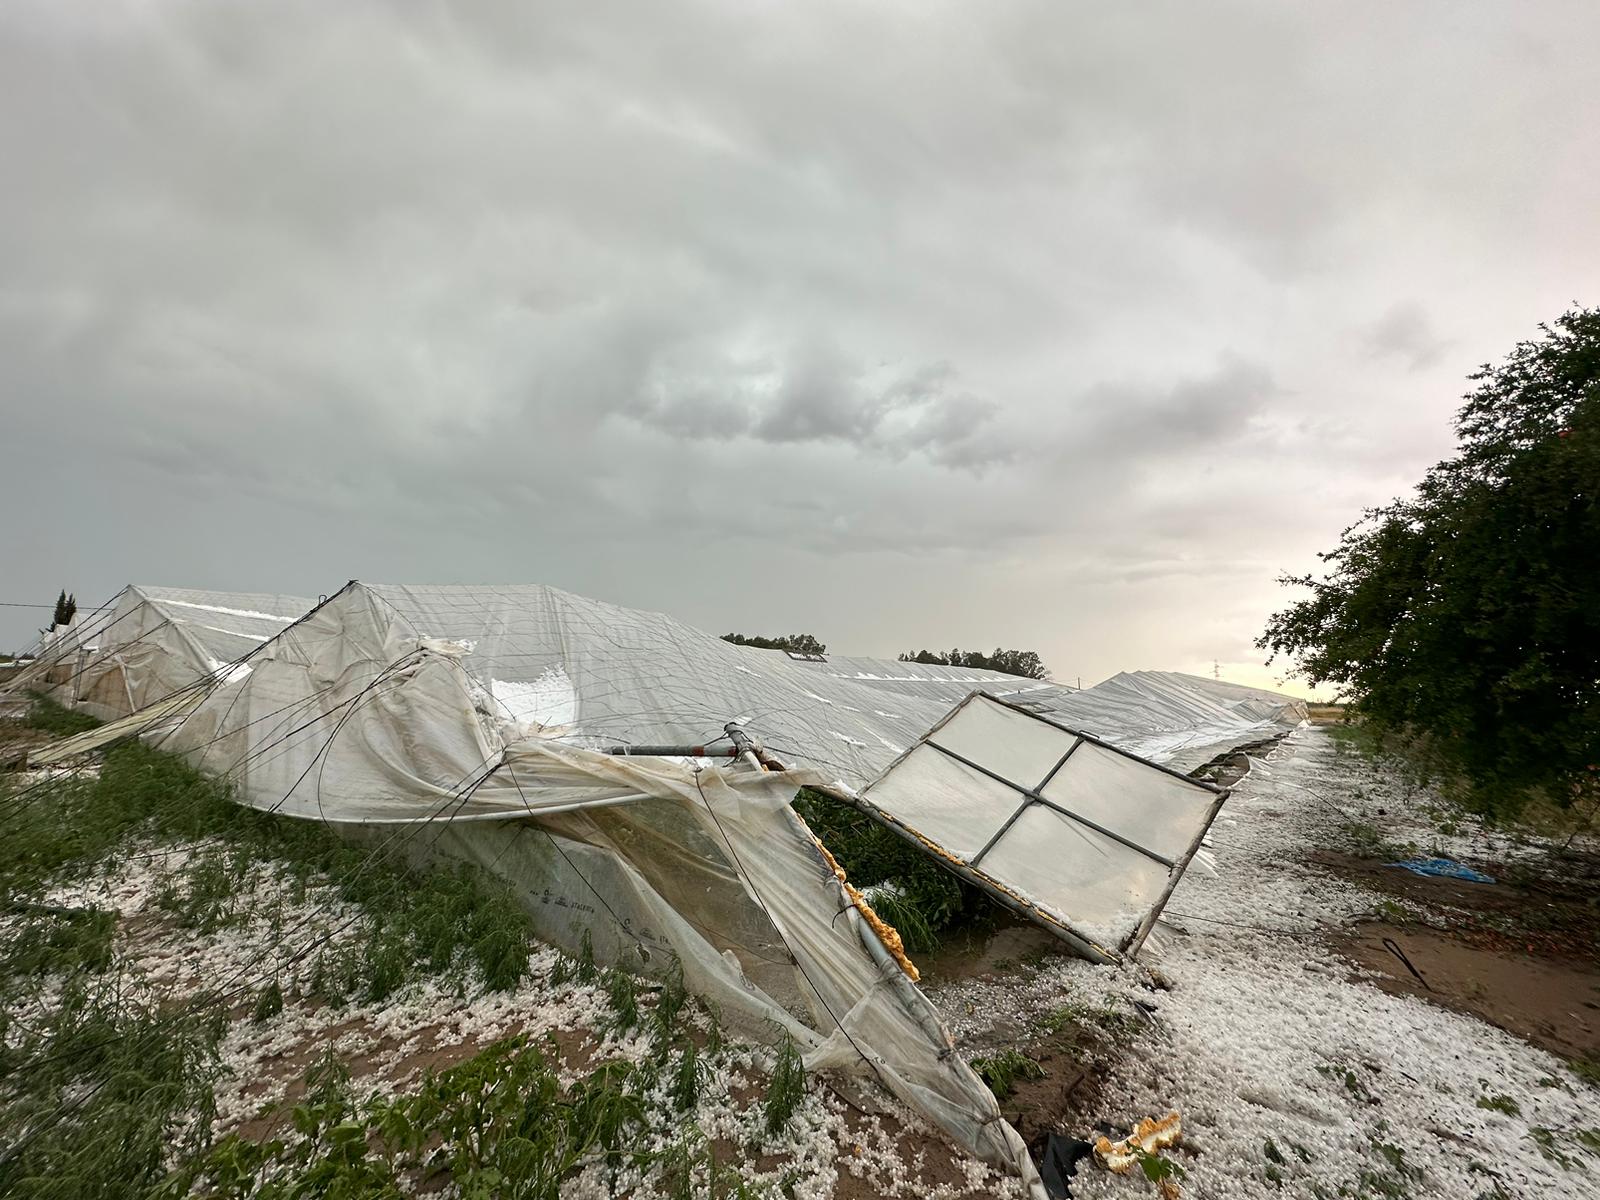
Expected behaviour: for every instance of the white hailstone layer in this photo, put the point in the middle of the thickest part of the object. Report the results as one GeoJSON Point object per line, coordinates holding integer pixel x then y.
{"type": "Point", "coordinates": [1266, 1035]}
{"type": "Point", "coordinates": [437, 1021]}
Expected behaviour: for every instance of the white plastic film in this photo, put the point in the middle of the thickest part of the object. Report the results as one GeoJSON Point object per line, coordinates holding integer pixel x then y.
{"type": "Point", "coordinates": [946, 801]}
{"type": "Point", "coordinates": [1122, 794]}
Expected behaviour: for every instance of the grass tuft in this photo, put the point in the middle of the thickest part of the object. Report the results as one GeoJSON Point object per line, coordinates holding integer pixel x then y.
{"type": "Point", "coordinates": [1004, 1070]}
{"type": "Point", "coordinates": [45, 714]}
{"type": "Point", "coordinates": [787, 1088]}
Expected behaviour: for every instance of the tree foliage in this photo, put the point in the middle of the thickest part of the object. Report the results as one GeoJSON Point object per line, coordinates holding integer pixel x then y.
{"type": "Point", "coordinates": [66, 609]}
{"type": "Point", "coordinates": [1025, 663]}
{"type": "Point", "coordinates": [1468, 613]}
{"type": "Point", "coordinates": [795, 643]}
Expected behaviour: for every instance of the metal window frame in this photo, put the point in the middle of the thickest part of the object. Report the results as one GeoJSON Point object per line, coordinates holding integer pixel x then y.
{"type": "Point", "coordinates": [968, 868]}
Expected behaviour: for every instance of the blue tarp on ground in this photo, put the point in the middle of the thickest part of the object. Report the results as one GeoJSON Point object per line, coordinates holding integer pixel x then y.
{"type": "Point", "coordinates": [1449, 868]}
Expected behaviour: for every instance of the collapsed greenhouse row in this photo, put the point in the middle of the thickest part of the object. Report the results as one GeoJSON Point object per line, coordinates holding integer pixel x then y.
{"type": "Point", "coordinates": [633, 778]}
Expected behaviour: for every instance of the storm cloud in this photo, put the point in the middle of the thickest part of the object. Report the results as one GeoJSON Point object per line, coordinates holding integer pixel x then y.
{"type": "Point", "coordinates": [1027, 324]}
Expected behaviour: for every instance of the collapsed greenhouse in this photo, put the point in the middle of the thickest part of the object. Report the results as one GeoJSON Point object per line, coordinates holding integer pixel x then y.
{"type": "Point", "coordinates": [632, 777]}
{"type": "Point", "coordinates": [147, 645]}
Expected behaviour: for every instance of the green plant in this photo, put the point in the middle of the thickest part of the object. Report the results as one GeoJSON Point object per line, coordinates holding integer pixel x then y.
{"type": "Point", "coordinates": [1353, 1083]}
{"type": "Point", "coordinates": [1393, 1180]}
{"type": "Point", "coordinates": [691, 1171]}
{"type": "Point", "coordinates": [1002, 1071]}
{"type": "Point", "coordinates": [268, 1004]}
{"type": "Point", "coordinates": [102, 1090]}
{"type": "Point", "coordinates": [623, 993]}
{"type": "Point", "coordinates": [795, 643]}
{"type": "Point", "coordinates": [50, 940]}
{"type": "Point", "coordinates": [1353, 735]}
{"type": "Point", "coordinates": [671, 1000]}
{"type": "Point", "coordinates": [416, 922]}
{"type": "Point", "coordinates": [921, 900]}
{"type": "Point", "coordinates": [1106, 1021]}
{"type": "Point", "coordinates": [499, 1124]}
{"type": "Point", "coordinates": [1024, 663]}
{"type": "Point", "coordinates": [1157, 1169]}
{"type": "Point", "coordinates": [45, 714]}
{"type": "Point", "coordinates": [1500, 1104]}
{"type": "Point", "coordinates": [916, 934]}
{"type": "Point", "coordinates": [684, 1087]}
{"type": "Point", "coordinates": [66, 608]}
{"type": "Point", "coordinates": [1545, 1139]}
{"type": "Point", "coordinates": [1465, 616]}
{"type": "Point", "coordinates": [204, 895]}
{"type": "Point", "coordinates": [787, 1088]}
{"type": "Point", "coordinates": [1368, 841]}
{"type": "Point", "coordinates": [587, 970]}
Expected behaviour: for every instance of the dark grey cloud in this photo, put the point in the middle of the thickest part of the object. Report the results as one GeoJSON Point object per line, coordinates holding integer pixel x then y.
{"type": "Point", "coordinates": [812, 394]}
{"type": "Point", "coordinates": [1032, 325]}
{"type": "Point", "coordinates": [1405, 333]}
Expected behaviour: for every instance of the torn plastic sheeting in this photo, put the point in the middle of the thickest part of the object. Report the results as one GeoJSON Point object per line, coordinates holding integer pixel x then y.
{"type": "Point", "coordinates": [354, 721]}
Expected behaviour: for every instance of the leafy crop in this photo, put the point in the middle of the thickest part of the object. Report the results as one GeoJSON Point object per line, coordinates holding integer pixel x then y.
{"type": "Point", "coordinates": [923, 902]}
{"type": "Point", "coordinates": [1004, 1070]}
{"type": "Point", "coordinates": [45, 714]}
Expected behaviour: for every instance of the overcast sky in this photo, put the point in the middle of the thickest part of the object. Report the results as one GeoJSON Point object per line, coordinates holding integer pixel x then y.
{"type": "Point", "coordinates": [1059, 326]}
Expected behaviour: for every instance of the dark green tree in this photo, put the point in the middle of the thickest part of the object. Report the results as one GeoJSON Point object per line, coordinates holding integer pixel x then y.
{"type": "Point", "coordinates": [1467, 615]}
{"type": "Point", "coordinates": [1025, 663]}
{"type": "Point", "coordinates": [795, 643]}
{"type": "Point", "coordinates": [66, 609]}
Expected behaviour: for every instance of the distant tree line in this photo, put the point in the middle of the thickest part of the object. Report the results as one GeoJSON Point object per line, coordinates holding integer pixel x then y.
{"type": "Point", "coordinates": [1465, 618]}
{"type": "Point", "coordinates": [1025, 663]}
{"type": "Point", "coordinates": [795, 643]}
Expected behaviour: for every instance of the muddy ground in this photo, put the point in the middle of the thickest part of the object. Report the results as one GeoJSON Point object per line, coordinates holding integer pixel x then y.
{"type": "Point", "coordinates": [1522, 953]}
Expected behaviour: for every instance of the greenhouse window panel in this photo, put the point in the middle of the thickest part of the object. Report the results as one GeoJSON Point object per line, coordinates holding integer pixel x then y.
{"type": "Point", "coordinates": [1084, 839]}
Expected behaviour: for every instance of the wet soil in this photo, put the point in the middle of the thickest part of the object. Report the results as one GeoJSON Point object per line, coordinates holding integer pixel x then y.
{"type": "Point", "coordinates": [989, 949]}
{"type": "Point", "coordinates": [1069, 1086]}
{"type": "Point", "coordinates": [1552, 1002]}
{"type": "Point", "coordinates": [1522, 953]}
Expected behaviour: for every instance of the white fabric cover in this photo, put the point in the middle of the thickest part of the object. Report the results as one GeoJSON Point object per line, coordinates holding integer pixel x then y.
{"type": "Point", "coordinates": [1181, 721]}
{"type": "Point", "coordinates": [1168, 717]}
